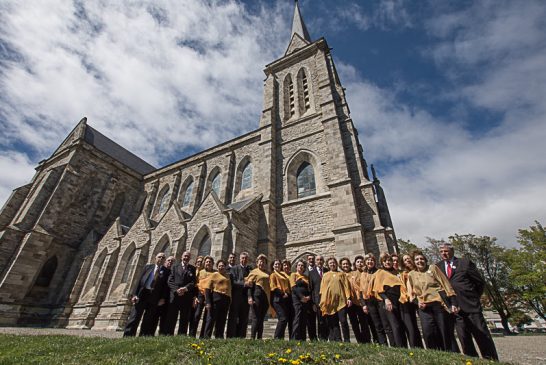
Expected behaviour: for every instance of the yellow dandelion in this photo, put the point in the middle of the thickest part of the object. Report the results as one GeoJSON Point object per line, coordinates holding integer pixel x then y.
{"type": "Point", "coordinates": [295, 362]}
{"type": "Point", "coordinates": [468, 362]}
{"type": "Point", "coordinates": [337, 356]}
{"type": "Point", "coordinates": [271, 354]}
{"type": "Point", "coordinates": [282, 360]}
{"type": "Point", "coordinates": [201, 352]}
{"type": "Point", "coordinates": [299, 343]}
{"type": "Point", "coordinates": [288, 351]}
{"type": "Point", "coordinates": [411, 353]}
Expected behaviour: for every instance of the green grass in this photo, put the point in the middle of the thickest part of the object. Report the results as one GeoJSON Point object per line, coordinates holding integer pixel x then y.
{"type": "Point", "coordinates": [184, 350]}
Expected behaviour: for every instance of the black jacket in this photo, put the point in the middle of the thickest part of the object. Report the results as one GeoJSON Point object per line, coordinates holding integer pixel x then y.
{"type": "Point", "coordinates": [467, 282]}
{"type": "Point", "coordinates": [314, 284]}
{"type": "Point", "coordinates": [238, 274]}
{"type": "Point", "coordinates": [182, 278]}
{"type": "Point", "coordinates": [160, 289]}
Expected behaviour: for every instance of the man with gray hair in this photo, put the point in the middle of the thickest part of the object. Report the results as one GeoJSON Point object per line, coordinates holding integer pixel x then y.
{"type": "Point", "coordinates": [468, 285]}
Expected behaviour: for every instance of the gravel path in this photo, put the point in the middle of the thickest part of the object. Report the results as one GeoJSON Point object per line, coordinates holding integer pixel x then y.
{"type": "Point", "coordinates": [525, 350]}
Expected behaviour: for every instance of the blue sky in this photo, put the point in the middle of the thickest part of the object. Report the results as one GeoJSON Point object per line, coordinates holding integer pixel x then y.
{"type": "Point", "coordinates": [448, 97]}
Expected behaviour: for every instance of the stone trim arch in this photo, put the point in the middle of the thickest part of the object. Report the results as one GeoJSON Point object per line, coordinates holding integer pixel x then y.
{"type": "Point", "coordinates": [161, 199]}
{"type": "Point", "coordinates": [124, 271]}
{"type": "Point", "coordinates": [302, 256]}
{"type": "Point", "coordinates": [291, 169]}
{"type": "Point", "coordinates": [162, 244]}
{"type": "Point", "coordinates": [94, 273]}
{"type": "Point", "coordinates": [203, 232]}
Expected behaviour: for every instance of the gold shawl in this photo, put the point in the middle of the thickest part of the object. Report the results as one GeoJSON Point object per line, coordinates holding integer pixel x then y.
{"type": "Point", "coordinates": [383, 278]}
{"type": "Point", "coordinates": [334, 292]}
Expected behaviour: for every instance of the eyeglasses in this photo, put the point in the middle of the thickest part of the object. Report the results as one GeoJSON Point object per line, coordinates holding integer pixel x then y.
{"type": "Point", "coordinates": [160, 257]}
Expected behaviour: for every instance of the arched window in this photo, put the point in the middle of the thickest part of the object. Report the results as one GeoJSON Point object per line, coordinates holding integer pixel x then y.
{"type": "Point", "coordinates": [303, 92]}
{"type": "Point", "coordinates": [215, 185]}
{"type": "Point", "coordinates": [246, 178]}
{"type": "Point", "coordinates": [289, 97]}
{"type": "Point", "coordinates": [129, 266]}
{"type": "Point", "coordinates": [47, 272]}
{"type": "Point", "coordinates": [305, 180]}
{"type": "Point", "coordinates": [205, 246]}
{"type": "Point", "coordinates": [164, 203]}
{"type": "Point", "coordinates": [187, 195]}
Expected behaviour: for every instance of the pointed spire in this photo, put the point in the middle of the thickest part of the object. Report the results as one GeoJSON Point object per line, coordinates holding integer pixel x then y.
{"type": "Point", "coordinates": [298, 26]}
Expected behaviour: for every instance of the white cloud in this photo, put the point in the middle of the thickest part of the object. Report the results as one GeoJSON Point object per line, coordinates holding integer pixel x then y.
{"type": "Point", "coordinates": [16, 170]}
{"type": "Point", "coordinates": [447, 180]}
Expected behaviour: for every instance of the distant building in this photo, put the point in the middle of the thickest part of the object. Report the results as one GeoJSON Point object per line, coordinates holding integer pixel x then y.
{"type": "Point", "coordinates": [73, 240]}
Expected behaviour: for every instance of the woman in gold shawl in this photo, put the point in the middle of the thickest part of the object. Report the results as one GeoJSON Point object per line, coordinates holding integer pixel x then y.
{"type": "Point", "coordinates": [335, 298]}
{"type": "Point", "coordinates": [357, 317]}
{"type": "Point", "coordinates": [280, 292]}
{"type": "Point", "coordinates": [409, 309]}
{"type": "Point", "coordinates": [391, 292]}
{"type": "Point", "coordinates": [218, 298]}
{"type": "Point", "coordinates": [258, 296]}
{"type": "Point", "coordinates": [435, 297]}
{"type": "Point", "coordinates": [301, 300]}
{"type": "Point", "coordinates": [202, 282]}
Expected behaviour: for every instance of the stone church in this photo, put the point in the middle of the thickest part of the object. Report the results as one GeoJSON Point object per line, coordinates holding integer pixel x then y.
{"type": "Point", "coordinates": [73, 240]}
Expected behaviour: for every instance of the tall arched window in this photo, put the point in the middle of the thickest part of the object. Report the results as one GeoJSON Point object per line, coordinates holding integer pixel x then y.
{"type": "Point", "coordinates": [246, 178]}
{"type": "Point", "coordinates": [303, 91]}
{"type": "Point", "coordinates": [306, 180]}
{"type": "Point", "coordinates": [47, 272]}
{"type": "Point", "coordinates": [129, 266]}
{"type": "Point", "coordinates": [205, 246]}
{"type": "Point", "coordinates": [289, 97]}
{"type": "Point", "coordinates": [187, 195]}
{"type": "Point", "coordinates": [164, 203]}
{"type": "Point", "coordinates": [215, 185]}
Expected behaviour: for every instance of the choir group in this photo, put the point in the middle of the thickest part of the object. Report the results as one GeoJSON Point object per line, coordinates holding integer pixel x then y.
{"type": "Point", "coordinates": [382, 300]}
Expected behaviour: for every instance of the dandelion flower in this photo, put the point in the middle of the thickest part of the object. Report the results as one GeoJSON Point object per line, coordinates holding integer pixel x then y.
{"type": "Point", "coordinates": [411, 353]}
{"type": "Point", "coordinates": [288, 351]}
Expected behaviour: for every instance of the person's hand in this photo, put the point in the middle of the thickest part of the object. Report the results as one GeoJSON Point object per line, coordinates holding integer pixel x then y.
{"type": "Point", "coordinates": [349, 303]}
{"type": "Point", "coordinates": [208, 306]}
{"type": "Point", "coordinates": [454, 309]}
{"type": "Point", "coordinates": [365, 309]}
{"type": "Point", "coordinates": [161, 302]}
{"type": "Point", "coordinates": [134, 299]}
{"type": "Point", "coordinates": [285, 295]}
{"type": "Point", "coordinates": [388, 305]}
{"type": "Point", "coordinates": [315, 308]}
{"type": "Point", "coordinates": [250, 301]}
{"type": "Point", "coordinates": [195, 302]}
{"type": "Point", "coordinates": [305, 299]}
{"type": "Point", "coordinates": [181, 291]}
{"type": "Point", "coordinates": [422, 305]}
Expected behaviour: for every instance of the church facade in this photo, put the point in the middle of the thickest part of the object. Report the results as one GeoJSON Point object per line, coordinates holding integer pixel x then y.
{"type": "Point", "coordinates": [73, 240]}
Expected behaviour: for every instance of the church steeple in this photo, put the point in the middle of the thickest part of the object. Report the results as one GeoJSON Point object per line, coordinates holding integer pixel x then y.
{"type": "Point", "coordinates": [298, 26]}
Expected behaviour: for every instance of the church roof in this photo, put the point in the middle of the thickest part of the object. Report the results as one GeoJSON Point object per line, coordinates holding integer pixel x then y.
{"type": "Point", "coordinates": [298, 26]}
{"type": "Point", "coordinates": [114, 150]}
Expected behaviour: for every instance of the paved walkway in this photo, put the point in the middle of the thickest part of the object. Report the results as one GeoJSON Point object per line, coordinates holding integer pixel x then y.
{"type": "Point", "coordinates": [525, 350]}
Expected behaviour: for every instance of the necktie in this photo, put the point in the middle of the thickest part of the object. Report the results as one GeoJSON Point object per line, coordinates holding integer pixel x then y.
{"type": "Point", "coordinates": [320, 273]}
{"type": "Point", "coordinates": [449, 270]}
{"type": "Point", "coordinates": [156, 275]}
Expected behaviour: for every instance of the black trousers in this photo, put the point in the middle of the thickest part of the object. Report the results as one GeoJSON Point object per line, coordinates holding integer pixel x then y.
{"type": "Point", "coordinates": [334, 322]}
{"type": "Point", "coordinates": [376, 324]}
{"type": "Point", "coordinates": [282, 309]}
{"type": "Point", "coordinates": [394, 319]}
{"type": "Point", "coordinates": [145, 309]}
{"type": "Point", "coordinates": [436, 330]}
{"type": "Point", "coordinates": [161, 319]}
{"type": "Point", "coordinates": [260, 307]}
{"type": "Point", "coordinates": [238, 315]}
{"type": "Point", "coordinates": [409, 317]}
{"type": "Point", "coordinates": [216, 316]}
{"type": "Point", "coordinates": [470, 325]}
{"type": "Point", "coordinates": [180, 305]}
{"type": "Point", "coordinates": [301, 311]}
{"type": "Point", "coordinates": [196, 315]}
{"type": "Point", "coordinates": [359, 323]}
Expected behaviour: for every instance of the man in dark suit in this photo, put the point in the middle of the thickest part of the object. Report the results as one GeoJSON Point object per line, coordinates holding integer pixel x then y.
{"type": "Point", "coordinates": [315, 278]}
{"type": "Point", "coordinates": [151, 292]}
{"type": "Point", "coordinates": [239, 308]}
{"type": "Point", "coordinates": [162, 310]}
{"type": "Point", "coordinates": [182, 282]}
{"type": "Point", "coordinates": [468, 285]}
{"type": "Point", "coordinates": [231, 261]}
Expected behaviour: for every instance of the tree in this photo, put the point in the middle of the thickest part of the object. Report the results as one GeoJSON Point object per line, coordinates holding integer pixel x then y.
{"type": "Point", "coordinates": [528, 268]}
{"type": "Point", "coordinates": [432, 250]}
{"type": "Point", "coordinates": [490, 259]}
{"type": "Point", "coordinates": [406, 247]}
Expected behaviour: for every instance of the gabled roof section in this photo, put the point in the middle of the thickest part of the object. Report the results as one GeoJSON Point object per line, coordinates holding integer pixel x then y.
{"type": "Point", "coordinates": [83, 131]}
{"type": "Point", "coordinates": [240, 206]}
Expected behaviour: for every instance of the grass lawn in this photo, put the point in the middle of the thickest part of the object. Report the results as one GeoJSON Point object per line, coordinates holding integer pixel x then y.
{"type": "Point", "coordinates": [184, 350]}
